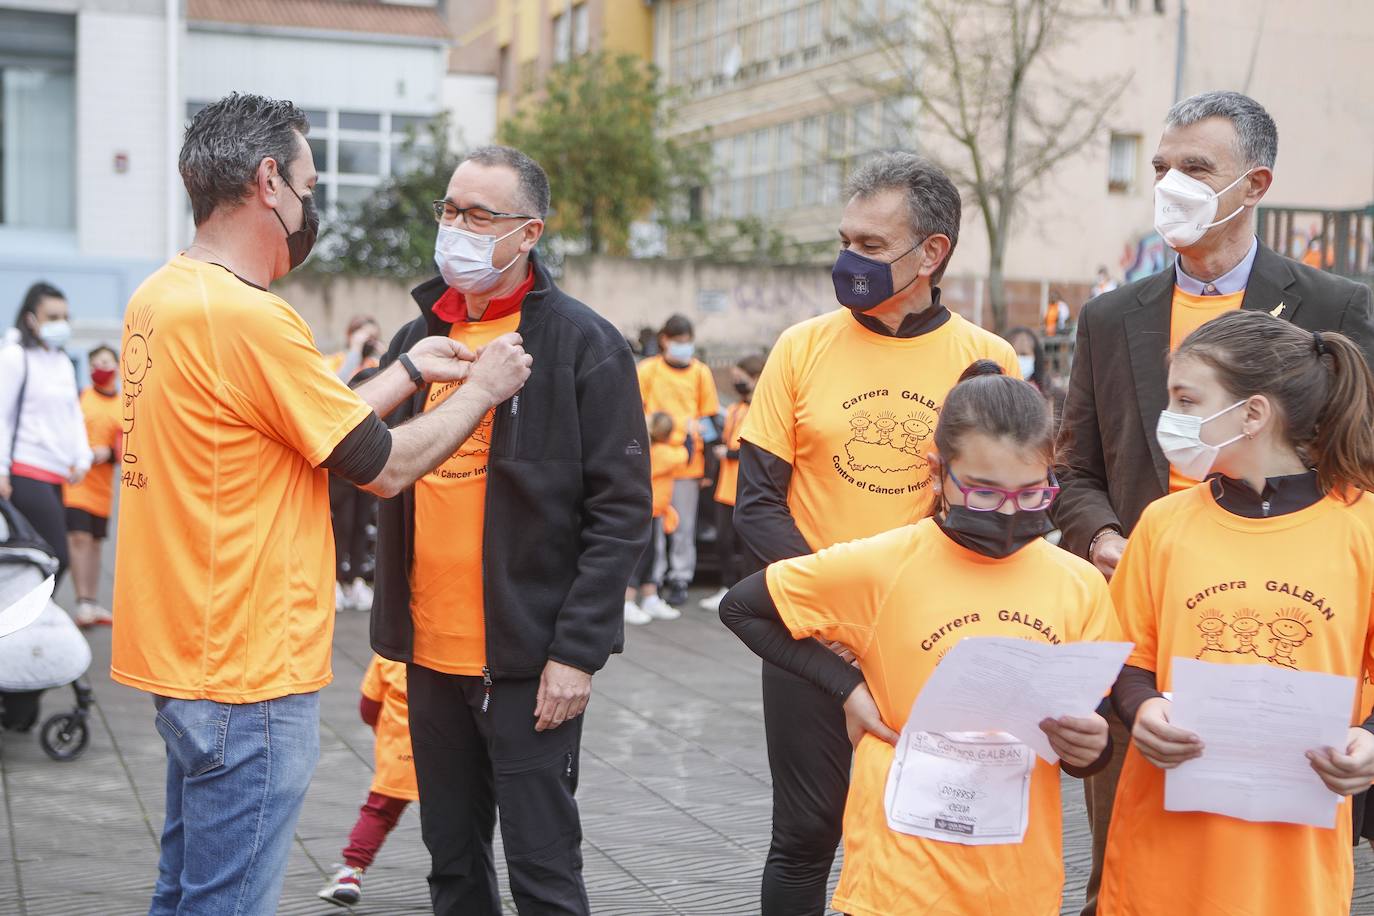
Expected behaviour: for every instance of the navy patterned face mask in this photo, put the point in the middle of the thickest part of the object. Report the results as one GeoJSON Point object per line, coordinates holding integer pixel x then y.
{"type": "Point", "coordinates": [862, 283]}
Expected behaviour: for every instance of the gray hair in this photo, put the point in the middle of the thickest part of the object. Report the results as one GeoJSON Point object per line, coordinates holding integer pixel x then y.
{"type": "Point", "coordinates": [532, 182]}
{"type": "Point", "coordinates": [1257, 138]}
{"type": "Point", "coordinates": [225, 143]}
{"type": "Point", "coordinates": [932, 200]}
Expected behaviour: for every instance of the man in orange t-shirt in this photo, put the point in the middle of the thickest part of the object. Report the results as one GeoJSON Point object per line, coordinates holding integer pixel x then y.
{"type": "Point", "coordinates": [1213, 166]}
{"type": "Point", "coordinates": [500, 577]}
{"type": "Point", "coordinates": [88, 503]}
{"type": "Point", "coordinates": [834, 449]}
{"type": "Point", "coordinates": [232, 423]}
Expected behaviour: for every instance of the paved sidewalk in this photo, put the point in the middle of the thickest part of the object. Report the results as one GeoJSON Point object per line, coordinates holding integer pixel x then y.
{"type": "Point", "coordinates": [674, 793]}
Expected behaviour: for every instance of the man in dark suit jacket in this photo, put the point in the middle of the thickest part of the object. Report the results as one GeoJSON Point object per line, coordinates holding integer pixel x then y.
{"type": "Point", "coordinates": [1110, 464]}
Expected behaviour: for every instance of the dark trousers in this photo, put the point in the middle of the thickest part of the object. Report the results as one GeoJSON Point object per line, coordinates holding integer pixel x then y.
{"type": "Point", "coordinates": [1099, 794]}
{"type": "Point", "coordinates": [351, 511]}
{"type": "Point", "coordinates": [735, 561]}
{"type": "Point", "coordinates": [644, 572]}
{"type": "Point", "coordinates": [41, 504]}
{"type": "Point", "coordinates": [376, 820]}
{"type": "Point", "coordinates": [809, 755]}
{"type": "Point", "coordinates": [474, 765]}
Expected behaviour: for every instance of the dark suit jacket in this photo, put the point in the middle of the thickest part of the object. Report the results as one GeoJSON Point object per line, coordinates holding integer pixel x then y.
{"type": "Point", "coordinates": [1109, 465]}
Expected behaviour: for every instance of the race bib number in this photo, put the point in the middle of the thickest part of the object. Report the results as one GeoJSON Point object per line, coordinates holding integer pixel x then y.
{"type": "Point", "coordinates": [962, 787]}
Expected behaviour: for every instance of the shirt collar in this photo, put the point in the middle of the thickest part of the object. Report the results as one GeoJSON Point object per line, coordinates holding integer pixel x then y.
{"type": "Point", "coordinates": [1281, 495]}
{"type": "Point", "coordinates": [1229, 283]}
{"type": "Point", "coordinates": [453, 307]}
{"type": "Point", "coordinates": [912, 325]}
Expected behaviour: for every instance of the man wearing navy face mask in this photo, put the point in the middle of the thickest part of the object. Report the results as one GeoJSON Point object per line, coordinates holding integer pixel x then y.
{"type": "Point", "coordinates": [500, 575]}
{"type": "Point", "coordinates": [834, 449]}
{"type": "Point", "coordinates": [1213, 166]}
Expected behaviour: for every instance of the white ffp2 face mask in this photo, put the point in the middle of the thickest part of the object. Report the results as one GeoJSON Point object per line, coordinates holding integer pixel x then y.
{"type": "Point", "coordinates": [464, 258]}
{"type": "Point", "coordinates": [1186, 208]}
{"type": "Point", "coordinates": [1180, 439]}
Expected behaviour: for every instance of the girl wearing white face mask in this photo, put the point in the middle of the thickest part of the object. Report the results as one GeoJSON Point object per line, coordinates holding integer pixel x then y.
{"type": "Point", "coordinates": [43, 440]}
{"type": "Point", "coordinates": [680, 385]}
{"type": "Point", "coordinates": [1270, 562]}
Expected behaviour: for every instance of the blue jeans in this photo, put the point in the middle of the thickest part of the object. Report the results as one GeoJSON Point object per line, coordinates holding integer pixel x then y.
{"type": "Point", "coordinates": [236, 781]}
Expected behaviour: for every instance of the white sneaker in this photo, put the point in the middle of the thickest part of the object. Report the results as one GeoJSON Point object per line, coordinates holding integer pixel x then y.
{"type": "Point", "coordinates": [712, 602]}
{"type": "Point", "coordinates": [85, 614]}
{"type": "Point", "coordinates": [340, 598]}
{"type": "Point", "coordinates": [636, 615]}
{"type": "Point", "coordinates": [360, 596]}
{"type": "Point", "coordinates": [658, 609]}
{"type": "Point", "coordinates": [345, 888]}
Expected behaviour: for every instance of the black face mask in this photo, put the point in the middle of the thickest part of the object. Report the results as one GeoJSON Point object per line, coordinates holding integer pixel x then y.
{"type": "Point", "coordinates": [744, 389]}
{"type": "Point", "coordinates": [993, 534]}
{"type": "Point", "coordinates": [299, 243]}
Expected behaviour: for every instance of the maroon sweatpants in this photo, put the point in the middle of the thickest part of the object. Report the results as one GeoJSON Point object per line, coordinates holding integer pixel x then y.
{"type": "Point", "coordinates": [376, 819]}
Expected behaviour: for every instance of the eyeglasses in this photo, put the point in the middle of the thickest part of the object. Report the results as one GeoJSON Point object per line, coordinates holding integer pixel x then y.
{"type": "Point", "coordinates": [445, 211]}
{"type": "Point", "coordinates": [984, 498]}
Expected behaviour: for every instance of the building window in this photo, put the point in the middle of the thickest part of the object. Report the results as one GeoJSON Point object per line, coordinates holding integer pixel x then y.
{"type": "Point", "coordinates": [581, 30]}
{"type": "Point", "coordinates": [37, 120]}
{"type": "Point", "coordinates": [503, 73]}
{"type": "Point", "coordinates": [562, 37]}
{"type": "Point", "coordinates": [1121, 162]}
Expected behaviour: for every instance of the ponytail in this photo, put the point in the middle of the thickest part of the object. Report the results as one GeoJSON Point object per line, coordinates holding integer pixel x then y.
{"type": "Point", "coordinates": [1318, 381]}
{"type": "Point", "coordinates": [987, 400]}
{"type": "Point", "coordinates": [1343, 446]}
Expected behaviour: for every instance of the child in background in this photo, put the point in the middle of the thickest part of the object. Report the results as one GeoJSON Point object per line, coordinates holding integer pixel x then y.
{"type": "Point", "coordinates": [734, 562]}
{"type": "Point", "coordinates": [680, 385]}
{"type": "Point", "coordinates": [88, 503]}
{"type": "Point", "coordinates": [383, 706]}
{"type": "Point", "coordinates": [666, 460]}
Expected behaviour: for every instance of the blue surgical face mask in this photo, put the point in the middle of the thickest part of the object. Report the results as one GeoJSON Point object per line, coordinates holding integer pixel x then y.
{"type": "Point", "coordinates": [862, 283]}
{"type": "Point", "coordinates": [680, 352]}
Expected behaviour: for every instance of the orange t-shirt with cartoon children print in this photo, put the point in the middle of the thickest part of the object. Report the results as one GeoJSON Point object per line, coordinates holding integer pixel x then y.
{"type": "Point", "coordinates": [223, 577]}
{"type": "Point", "coordinates": [384, 682]}
{"type": "Point", "coordinates": [1293, 591]}
{"type": "Point", "coordinates": [685, 393]}
{"type": "Point", "coordinates": [900, 601]}
{"type": "Point", "coordinates": [446, 599]}
{"type": "Point", "coordinates": [854, 413]}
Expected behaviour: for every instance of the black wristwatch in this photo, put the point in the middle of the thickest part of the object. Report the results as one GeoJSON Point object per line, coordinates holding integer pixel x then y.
{"type": "Point", "coordinates": [409, 366]}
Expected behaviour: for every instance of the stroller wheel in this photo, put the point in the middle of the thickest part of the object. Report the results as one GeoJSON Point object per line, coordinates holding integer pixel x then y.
{"type": "Point", "coordinates": [64, 736]}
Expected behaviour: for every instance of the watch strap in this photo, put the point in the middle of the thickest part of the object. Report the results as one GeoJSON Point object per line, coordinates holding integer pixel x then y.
{"type": "Point", "coordinates": [416, 376]}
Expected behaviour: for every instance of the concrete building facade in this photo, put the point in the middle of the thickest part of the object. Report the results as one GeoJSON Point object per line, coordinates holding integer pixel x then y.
{"type": "Point", "coordinates": [95, 94]}
{"type": "Point", "coordinates": [777, 88]}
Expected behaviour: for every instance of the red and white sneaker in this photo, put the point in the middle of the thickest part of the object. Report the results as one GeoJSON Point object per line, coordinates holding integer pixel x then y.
{"type": "Point", "coordinates": [345, 888]}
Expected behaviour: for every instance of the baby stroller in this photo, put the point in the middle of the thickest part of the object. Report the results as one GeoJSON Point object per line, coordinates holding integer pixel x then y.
{"type": "Point", "coordinates": [40, 646]}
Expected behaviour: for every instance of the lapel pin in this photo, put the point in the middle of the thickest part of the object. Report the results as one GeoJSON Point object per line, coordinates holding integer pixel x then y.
{"type": "Point", "coordinates": [1278, 311]}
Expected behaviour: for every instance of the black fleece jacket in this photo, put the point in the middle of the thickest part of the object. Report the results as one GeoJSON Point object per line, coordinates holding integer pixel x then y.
{"type": "Point", "coordinates": [568, 497]}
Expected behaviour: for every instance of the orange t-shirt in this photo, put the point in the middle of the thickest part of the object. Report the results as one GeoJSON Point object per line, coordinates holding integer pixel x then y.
{"type": "Point", "coordinates": [1190, 313]}
{"type": "Point", "coordinates": [225, 569]}
{"type": "Point", "coordinates": [665, 461]}
{"type": "Point", "coordinates": [900, 601]}
{"type": "Point", "coordinates": [854, 413]}
{"type": "Point", "coordinates": [104, 419]}
{"type": "Point", "coordinates": [685, 394]}
{"type": "Point", "coordinates": [384, 682]}
{"type": "Point", "coordinates": [446, 601]}
{"type": "Point", "coordinates": [1198, 582]}
{"type": "Point", "coordinates": [727, 478]}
